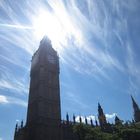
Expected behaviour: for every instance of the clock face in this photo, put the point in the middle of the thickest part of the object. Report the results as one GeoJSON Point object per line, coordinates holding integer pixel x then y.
{"type": "Point", "coordinates": [51, 59]}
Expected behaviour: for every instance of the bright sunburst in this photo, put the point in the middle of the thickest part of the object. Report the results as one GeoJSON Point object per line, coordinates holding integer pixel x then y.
{"type": "Point", "coordinates": [58, 27]}
{"type": "Point", "coordinates": [46, 24]}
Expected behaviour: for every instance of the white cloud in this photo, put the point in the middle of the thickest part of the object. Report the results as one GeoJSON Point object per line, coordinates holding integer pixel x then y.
{"type": "Point", "coordinates": [14, 85]}
{"type": "Point", "coordinates": [17, 120]}
{"type": "Point", "coordinates": [109, 117]}
{"type": "Point", "coordinates": [17, 101]}
{"type": "Point", "coordinates": [91, 58]}
{"type": "Point", "coordinates": [91, 30]}
{"type": "Point", "coordinates": [10, 81]}
{"type": "Point", "coordinates": [76, 100]}
{"type": "Point", "coordinates": [5, 84]}
{"type": "Point", "coordinates": [3, 99]}
{"type": "Point", "coordinates": [12, 100]}
{"type": "Point", "coordinates": [13, 60]}
{"type": "Point", "coordinates": [83, 118]}
{"type": "Point", "coordinates": [133, 70]}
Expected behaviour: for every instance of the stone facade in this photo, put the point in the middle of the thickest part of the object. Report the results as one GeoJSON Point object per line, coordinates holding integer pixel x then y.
{"type": "Point", "coordinates": [44, 112]}
{"type": "Point", "coordinates": [136, 110]}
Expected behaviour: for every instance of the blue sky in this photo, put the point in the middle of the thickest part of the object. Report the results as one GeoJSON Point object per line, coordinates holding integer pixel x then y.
{"type": "Point", "coordinates": [98, 44]}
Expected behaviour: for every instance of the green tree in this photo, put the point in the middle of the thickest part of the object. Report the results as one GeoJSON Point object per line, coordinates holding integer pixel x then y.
{"type": "Point", "coordinates": [120, 132]}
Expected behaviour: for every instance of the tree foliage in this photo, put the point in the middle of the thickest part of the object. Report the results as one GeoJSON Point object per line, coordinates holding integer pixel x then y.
{"type": "Point", "coordinates": [119, 132]}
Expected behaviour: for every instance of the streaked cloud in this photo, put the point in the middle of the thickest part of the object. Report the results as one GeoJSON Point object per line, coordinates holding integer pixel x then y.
{"type": "Point", "coordinates": [96, 39]}
{"type": "Point", "coordinates": [3, 99]}
{"type": "Point", "coordinates": [76, 100]}
{"type": "Point", "coordinates": [83, 34]}
{"type": "Point", "coordinates": [133, 70]}
{"type": "Point", "coordinates": [14, 85]}
{"type": "Point", "coordinates": [12, 100]}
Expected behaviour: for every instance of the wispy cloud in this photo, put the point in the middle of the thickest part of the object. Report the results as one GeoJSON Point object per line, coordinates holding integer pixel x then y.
{"type": "Point", "coordinates": [15, 86]}
{"type": "Point", "coordinates": [76, 100]}
{"type": "Point", "coordinates": [133, 70]}
{"type": "Point", "coordinates": [3, 99]}
{"type": "Point", "coordinates": [86, 30]}
{"type": "Point", "coordinates": [10, 78]}
{"type": "Point", "coordinates": [96, 38]}
{"type": "Point", "coordinates": [93, 26]}
{"type": "Point", "coordinates": [12, 100]}
{"type": "Point", "coordinates": [92, 55]}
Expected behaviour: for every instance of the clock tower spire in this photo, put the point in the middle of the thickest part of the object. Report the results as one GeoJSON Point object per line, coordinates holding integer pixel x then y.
{"type": "Point", "coordinates": [44, 95]}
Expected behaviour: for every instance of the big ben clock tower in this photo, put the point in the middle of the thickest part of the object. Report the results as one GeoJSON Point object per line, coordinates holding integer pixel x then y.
{"type": "Point", "coordinates": [44, 115]}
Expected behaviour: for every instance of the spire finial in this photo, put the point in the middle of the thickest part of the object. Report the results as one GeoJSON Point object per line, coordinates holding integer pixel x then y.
{"type": "Point", "coordinates": [91, 122]}
{"type": "Point", "coordinates": [99, 105]}
{"type": "Point", "coordinates": [22, 124]}
{"type": "Point", "coordinates": [86, 120]}
{"type": "Point", "coordinates": [74, 119]}
{"type": "Point", "coordinates": [136, 110]}
{"type": "Point", "coordinates": [67, 118]}
{"type": "Point", "coordinates": [80, 119]}
{"type": "Point", "coordinates": [96, 122]}
{"type": "Point", "coordinates": [16, 128]}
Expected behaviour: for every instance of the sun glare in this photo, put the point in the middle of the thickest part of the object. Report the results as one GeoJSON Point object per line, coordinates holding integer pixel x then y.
{"type": "Point", "coordinates": [47, 24]}
{"type": "Point", "coordinates": [57, 27]}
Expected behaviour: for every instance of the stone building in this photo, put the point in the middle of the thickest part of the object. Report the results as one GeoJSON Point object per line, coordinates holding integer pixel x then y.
{"type": "Point", "coordinates": [44, 112]}
{"type": "Point", "coordinates": [101, 117]}
{"type": "Point", "coordinates": [136, 110]}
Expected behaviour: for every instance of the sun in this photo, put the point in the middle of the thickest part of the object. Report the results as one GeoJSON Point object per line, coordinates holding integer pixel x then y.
{"type": "Point", "coordinates": [57, 26]}
{"type": "Point", "coordinates": [48, 24]}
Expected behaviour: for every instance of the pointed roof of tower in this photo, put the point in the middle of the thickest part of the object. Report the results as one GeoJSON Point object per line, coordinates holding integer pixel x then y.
{"type": "Point", "coordinates": [45, 40]}
{"type": "Point", "coordinates": [45, 47]}
{"type": "Point", "coordinates": [99, 106]}
{"type": "Point", "coordinates": [116, 117]}
{"type": "Point", "coordinates": [136, 110]}
{"type": "Point", "coordinates": [46, 44]}
{"type": "Point", "coordinates": [135, 105]}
